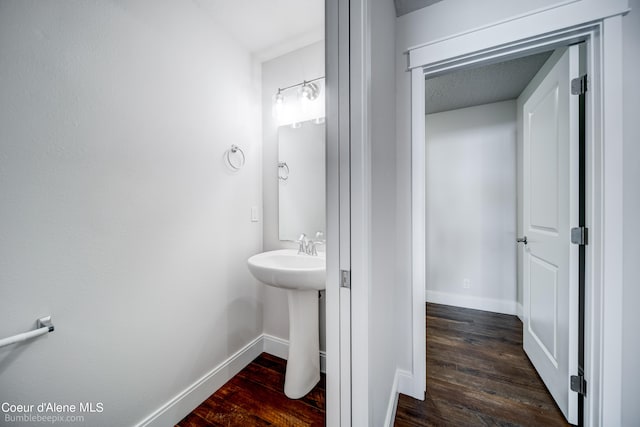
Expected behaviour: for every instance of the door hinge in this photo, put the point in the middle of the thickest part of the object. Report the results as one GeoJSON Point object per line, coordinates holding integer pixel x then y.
{"type": "Point", "coordinates": [579, 85]}
{"type": "Point", "coordinates": [579, 384]}
{"type": "Point", "coordinates": [580, 235]}
{"type": "Point", "coordinates": [345, 279]}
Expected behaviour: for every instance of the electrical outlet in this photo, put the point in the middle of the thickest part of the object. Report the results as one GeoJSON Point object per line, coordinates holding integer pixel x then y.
{"type": "Point", "coordinates": [466, 283]}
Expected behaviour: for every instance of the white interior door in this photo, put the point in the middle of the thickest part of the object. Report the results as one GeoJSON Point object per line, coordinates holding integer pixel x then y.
{"type": "Point", "coordinates": [550, 177]}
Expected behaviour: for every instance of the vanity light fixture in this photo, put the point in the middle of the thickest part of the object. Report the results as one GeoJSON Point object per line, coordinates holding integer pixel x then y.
{"type": "Point", "coordinates": [308, 91]}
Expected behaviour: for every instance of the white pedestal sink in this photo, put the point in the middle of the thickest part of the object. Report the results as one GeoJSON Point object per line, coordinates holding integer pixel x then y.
{"type": "Point", "coordinates": [302, 276]}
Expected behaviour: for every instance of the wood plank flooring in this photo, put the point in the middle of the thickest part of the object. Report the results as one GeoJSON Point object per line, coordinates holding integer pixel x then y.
{"type": "Point", "coordinates": [255, 397]}
{"type": "Point", "coordinates": [478, 375]}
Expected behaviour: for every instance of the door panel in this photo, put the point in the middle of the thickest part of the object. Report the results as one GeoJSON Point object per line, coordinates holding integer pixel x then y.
{"type": "Point", "coordinates": [548, 174]}
{"type": "Point", "coordinates": [543, 307]}
{"type": "Point", "coordinates": [543, 131]}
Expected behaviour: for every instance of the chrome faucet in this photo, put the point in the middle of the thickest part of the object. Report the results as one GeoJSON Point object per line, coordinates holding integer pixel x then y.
{"type": "Point", "coordinates": [310, 247]}
{"type": "Point", "coordinates": [319, 240]}
{"type": "Point", "coordinates": [304, 244]}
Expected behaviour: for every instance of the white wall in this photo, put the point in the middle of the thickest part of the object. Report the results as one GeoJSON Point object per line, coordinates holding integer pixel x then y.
{"type": "Point", "coordinates": [118, 216]}
{"type": "Point", "coordinates": [471, 207]}
{"type": "Point", "coordinates": [289, 69]}
{"type": "Point", "coordinates": [631, 213]}
{"type": "Point", "coordinates": [382, 293]}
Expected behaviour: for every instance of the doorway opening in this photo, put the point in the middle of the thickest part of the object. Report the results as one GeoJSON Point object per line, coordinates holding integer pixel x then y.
{"type": "Point", "coordinates": [287, 368]}
{"type": "Point", "coordinates": [487, 184]}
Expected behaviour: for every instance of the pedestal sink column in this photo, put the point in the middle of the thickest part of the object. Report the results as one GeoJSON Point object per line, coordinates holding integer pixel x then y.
{"type": "Point", "coordinates": [303, 365]}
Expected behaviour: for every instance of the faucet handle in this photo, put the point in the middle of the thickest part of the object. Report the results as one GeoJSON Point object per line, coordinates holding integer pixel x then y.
{"type": "Point", "coordinates": [313, 250]}
{"type": "Point", "coordinates": [304, 243]}
{"type": "Point", "coordinates": [319, 240]}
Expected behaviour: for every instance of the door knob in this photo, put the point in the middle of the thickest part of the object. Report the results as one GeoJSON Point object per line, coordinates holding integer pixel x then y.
{"type": "Point", "coordinates": [522, 240]}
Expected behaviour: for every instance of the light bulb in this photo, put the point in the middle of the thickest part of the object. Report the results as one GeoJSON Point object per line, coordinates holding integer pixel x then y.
{"type": "Point", "coordinates": [278, 105]}
{"type": "Point", "coordinates": [279, 97]}
{"type": "Point", "coordinates": [309, 91]}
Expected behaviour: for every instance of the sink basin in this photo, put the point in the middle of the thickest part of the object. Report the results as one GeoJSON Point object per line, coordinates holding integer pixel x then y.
{"type": "Point", "coordinates": [287, 269]}
{"type": "Point", "coordinates": [302, 276]}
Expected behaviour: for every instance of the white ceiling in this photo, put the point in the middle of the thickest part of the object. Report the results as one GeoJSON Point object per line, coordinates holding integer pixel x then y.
{"type": "Point", "coordinates": [483, 85]}
{"type": "Point", "coordinates": [269, 28]}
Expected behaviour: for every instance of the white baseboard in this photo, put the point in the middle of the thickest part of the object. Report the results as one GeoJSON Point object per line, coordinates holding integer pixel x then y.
{"type": "Point", "coordinates": [403, 382]}
{"type": "Point", "coordinates": [276, 346]}
{"type": "Point", "coordinates": [393, 401]}
{"type": "Point", "coordinates": [408, 385]}
{"type": "Point", "coordinates": [520, 312]}
{"type": "Point", "coordinates": [280, 348]}
{"type": "Point", "coordinates": [400, 379]}
{"type": "Point", "coordinates": [189, 399]}
{"type": "Point", "coordinates": [469, 301]}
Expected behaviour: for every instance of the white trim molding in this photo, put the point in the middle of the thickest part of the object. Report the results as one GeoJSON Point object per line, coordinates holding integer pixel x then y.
{"type": "Point", "coordinates": [280, 348]}
{"type": "Point", "coordinates": [338, 315]}
{"type": "Point", "coordinates": [601, 28]}
{"type": "Point", "coordinates": [418, 386]}
{"type": "Point", "coordinates": [392, 406]}
{"type": "Point", "coordinates": [472, 301]}
{"type": "Point", "coordinates": [520, 311]}
{"type": "Point", "coordinates": [191, 397]}
{"type": "Point", "coordinates": [496, 38]}
{"type": "Point", "coordinates": [359, 208]}
{"type": "Point", "coordinates": [402, 383]}
{"type": "Point", "coordinates": [611, 340]}
{"type": "Point", "coordinates": [183, 403]}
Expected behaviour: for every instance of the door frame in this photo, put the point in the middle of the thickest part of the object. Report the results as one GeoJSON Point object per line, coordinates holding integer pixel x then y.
{"type": "Point", "coordinates": [332, 288]}
{"type": "Point", "coordinates": [603, 316]}
{"type": "Point", "coordinates": [348, 214]}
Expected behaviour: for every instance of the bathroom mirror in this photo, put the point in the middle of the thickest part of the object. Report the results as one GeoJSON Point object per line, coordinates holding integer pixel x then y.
{"type": "Point", "coordinates": [301, 179]}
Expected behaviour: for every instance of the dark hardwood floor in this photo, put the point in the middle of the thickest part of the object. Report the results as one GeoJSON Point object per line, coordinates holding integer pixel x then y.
{"type": "Point", "coordinates": [255, 397]}
{"type": "Point", "coordinates": [478, 375]}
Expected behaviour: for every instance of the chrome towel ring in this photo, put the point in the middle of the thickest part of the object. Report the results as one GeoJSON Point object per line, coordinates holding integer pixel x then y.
{"type": "Point", "coordinates": [283, 171]}
{"type": "Point", "coordinates": [235, 157]}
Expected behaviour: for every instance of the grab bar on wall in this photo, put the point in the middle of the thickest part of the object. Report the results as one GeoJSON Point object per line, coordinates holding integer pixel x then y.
{"type": "Point", "coordinates": [44, 327]}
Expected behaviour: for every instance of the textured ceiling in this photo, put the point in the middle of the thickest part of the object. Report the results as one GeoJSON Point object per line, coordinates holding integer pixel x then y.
{"type": "Point", "coordinates": [483, 85]}
{"type": "Point", "coordinates": [407, 6]}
